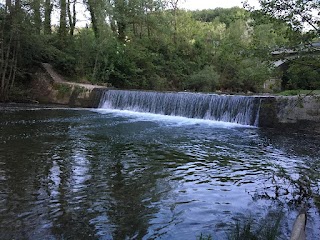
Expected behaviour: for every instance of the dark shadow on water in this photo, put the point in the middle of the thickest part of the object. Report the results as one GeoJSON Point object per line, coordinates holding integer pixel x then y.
{"type": "Point", "coordinates": [69, 174]}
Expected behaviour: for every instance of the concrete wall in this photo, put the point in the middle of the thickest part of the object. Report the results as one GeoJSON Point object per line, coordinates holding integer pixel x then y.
{"type": "Point", "coordinates": [298, 108]}
{"type": "Point", "coordinates": [46, 90]}
{"type": "Point", "coordinates": [295, 111]}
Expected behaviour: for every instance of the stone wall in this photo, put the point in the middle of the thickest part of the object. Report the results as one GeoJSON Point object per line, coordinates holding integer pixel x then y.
{"type": "Point", "coordinates": [298, 108]}
{"type": "Point", "coordinates": [46, 90]}
{"type": "Point", "coordinates": [294, 111]}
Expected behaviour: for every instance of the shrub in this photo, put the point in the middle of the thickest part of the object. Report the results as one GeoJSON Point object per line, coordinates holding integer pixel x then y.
{"type": "Point", "coordinates": [205, 80]}
{"type": "Point", "coordinates": [304, 74]}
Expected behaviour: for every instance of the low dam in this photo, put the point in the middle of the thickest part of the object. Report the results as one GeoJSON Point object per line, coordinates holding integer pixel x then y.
{"type": "Point", "coordinates": [260, 111]}
{"type": "Point", "coordinates": [234, 109]}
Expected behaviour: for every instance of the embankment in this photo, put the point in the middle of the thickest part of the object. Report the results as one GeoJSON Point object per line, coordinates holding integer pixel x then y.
{"type": "Point", "coordinates": [50, 87]}
{"type": "Point", "coordinates": [274, 111]}
{"type": "Point", "coordinates": [291, 111]}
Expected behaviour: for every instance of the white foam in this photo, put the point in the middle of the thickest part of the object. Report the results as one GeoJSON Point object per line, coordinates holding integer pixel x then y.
{"type": "Point", "coordinates": [176, 120]}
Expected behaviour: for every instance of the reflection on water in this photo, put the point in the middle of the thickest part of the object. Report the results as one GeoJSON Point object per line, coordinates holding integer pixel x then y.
{"type": "Point", "coordinates": [78, 174]}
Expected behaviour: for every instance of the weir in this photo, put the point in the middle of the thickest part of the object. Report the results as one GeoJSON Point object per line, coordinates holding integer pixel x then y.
{"type": "Point", "coordinates": [227, 108]}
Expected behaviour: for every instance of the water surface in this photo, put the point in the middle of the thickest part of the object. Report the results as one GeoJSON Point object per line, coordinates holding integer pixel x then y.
{"type": "Point", "coordinates": [84, 174]}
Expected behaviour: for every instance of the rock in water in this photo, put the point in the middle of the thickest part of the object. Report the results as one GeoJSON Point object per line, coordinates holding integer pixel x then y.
{"type": "Point", "coordinates": [298, 231]}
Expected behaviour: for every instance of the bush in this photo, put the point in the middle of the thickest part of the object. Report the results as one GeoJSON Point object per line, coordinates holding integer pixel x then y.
{"type": "Point", "coordinates": [252, 73]}
{"type": "Point", "coordinates": [205, 80]}
{"type": "Point", "coordinates": [304, 74]}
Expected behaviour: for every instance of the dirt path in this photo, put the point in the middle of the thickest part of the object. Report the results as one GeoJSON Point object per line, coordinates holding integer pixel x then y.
{"type": "Point", "coordinates": [56, 77]}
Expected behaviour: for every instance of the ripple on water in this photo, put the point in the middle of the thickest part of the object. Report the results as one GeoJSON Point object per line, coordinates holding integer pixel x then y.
{"type": "Point", "coordinates": [81, 174]}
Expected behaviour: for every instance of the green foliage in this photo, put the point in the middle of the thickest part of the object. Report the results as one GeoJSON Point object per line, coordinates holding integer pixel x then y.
{"type": "Point", "coordinates": [267, 228]}
{"type": "Point", "coordinates": [205, 80]}
{"type": "Point", "coordinates": [145, 46]}
{"type": "Point", "coordinates": [62, 89]}
{"type": "Point", "coordinates": [20, 92]}
{"type": "Point", "coordinates": [290, 93]}
{"type": "Point", "coordinates": [253, 73]}
{"type": "Point", "coordinates": [295, 12]}
{"type": "Point", "coordinates": [304, 74]}
{"type": "Point", "coordinates": [79, 89]}
{"type": "Point", "coordinates": [223, 15]}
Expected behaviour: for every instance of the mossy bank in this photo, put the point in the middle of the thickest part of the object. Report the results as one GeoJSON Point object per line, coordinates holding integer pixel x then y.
{"type": "Point", "coordinates": [45, 90]}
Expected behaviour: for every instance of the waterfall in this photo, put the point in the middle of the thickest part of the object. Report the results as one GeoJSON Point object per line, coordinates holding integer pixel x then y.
{"type": "Point", "coordinates": [226, 108]}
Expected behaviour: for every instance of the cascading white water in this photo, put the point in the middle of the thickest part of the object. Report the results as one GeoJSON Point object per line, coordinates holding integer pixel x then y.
{"type": "Point", "coordinates": [226, 108]}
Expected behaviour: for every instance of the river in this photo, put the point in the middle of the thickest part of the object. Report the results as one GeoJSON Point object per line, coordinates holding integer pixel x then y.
{"type": "Point", "coordinates": [116, 174]}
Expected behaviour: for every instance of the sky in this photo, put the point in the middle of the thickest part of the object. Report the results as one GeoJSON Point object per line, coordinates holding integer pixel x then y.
{"type": "Point", "coordinates": [205, 4]}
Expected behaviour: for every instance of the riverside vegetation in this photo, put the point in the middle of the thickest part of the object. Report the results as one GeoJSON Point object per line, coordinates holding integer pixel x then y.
{"type": "Point", "coordinates": [153, 44]}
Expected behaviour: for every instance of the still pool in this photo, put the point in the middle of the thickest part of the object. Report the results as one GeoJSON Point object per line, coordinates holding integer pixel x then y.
{"type": "Point", "coordinates": [102, 174]}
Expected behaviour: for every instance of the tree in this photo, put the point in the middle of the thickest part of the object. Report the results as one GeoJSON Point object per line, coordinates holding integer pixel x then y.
{"type": "Point", "coordinates": [72, 16]}
{"type": "Point", "coordinates": [205, 80]}
{"type": "Point", "coordinates": [174, 6]}
{"type": "Point", "coordinates": [143, 44]}
{"type": "Point", "coordinates": [223, 15]}
{"type": "Point", "coordinates": [296, 12]}
{"type": "Point", "coordinates": [48, 7]}
{"type": "Point", "coordinates": [300, 14]}
{"type": "Point", "coordinates": [303, 17]}
{"type": "Point", "coordinates": [304, 73]}
{"type": "Point", "coordinates": [120, 13]}
{"type": "Point", "coordinates": [63, 20]}
{"type": "Point", "coordinates": [10, 23]}
{"type": "Point", "coordinates": [36, 6]}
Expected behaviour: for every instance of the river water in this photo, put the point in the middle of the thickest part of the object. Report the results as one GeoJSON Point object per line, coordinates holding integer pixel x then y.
{"type": "Point", "coordinates": [110, 174]}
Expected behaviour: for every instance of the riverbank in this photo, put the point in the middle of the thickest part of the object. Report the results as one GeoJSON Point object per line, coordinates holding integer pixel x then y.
{"type": "Point", "coordinates": [49, 87]}
{"type": "Point", "coordinates": [302, 111]}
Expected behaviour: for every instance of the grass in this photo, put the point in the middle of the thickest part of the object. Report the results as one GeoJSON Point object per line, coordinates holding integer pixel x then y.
{"type": "Point", "coordinates": [204, 237]}
{"type": "Point", "coordinates": [266, 228]}
{"type": "Point", "coordinates": [62, 88]}
{"type": "Point", "coordinates": [299, 92]}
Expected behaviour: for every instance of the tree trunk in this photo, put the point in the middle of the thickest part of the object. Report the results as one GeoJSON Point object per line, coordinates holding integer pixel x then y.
{"type": "Point", "coordinates": [37, 16]}
{"type": "Point", "coordinates": [47, 16]}
{"type": "Point", "coordinates": [8, 6]}
{"type": "Point", "coordinates": [120, 15]}
{"type": "Point", "coordinates": [10, 43]}
{"type": "Point", "coordinates": [94, 21]}
{"type": "Point", "coordinates": [71, 16]}
{"type": "Point", "coordinates": [174, 4]}
{"type": "Point", "coordinates": [63, 20]}
{"type": "Point", "coordinates": [4, 69]}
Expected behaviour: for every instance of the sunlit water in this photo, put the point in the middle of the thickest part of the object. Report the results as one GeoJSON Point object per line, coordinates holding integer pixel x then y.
{"type": "Point", "coordinates": [84, 174]}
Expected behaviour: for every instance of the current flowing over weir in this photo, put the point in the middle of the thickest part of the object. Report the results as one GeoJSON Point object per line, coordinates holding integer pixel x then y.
{"type": "Point", "coordinates": [227, 108]}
